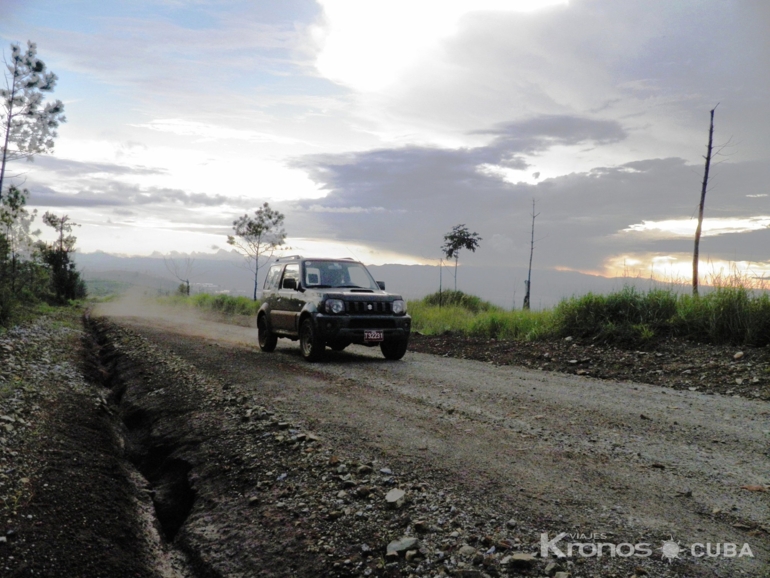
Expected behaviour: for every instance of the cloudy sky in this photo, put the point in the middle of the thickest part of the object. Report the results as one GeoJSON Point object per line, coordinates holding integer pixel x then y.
{"type": "Point", "coordinates": [377, 125]}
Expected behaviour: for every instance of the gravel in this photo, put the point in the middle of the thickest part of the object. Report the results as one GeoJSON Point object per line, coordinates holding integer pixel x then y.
{"type": "Point", "coordinates": [233, 463]}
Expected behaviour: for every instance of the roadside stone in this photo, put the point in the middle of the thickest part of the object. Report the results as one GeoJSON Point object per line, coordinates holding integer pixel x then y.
{"type": "Point", "coordinates": [738, 355]}
{"type": "Point", "coordinates": [402, 545]}
{"type": "Point", "coordinates": [521, 560]}
{"type": "Point", "coordinates": [386, 472]}
{"type": "Point", "coordinates": [395, 498]}
{"type": "Point", "coordinates": [561, 575]}
{"type": "Point", "coordinates": [469, 573]}
{"type": "Point", "coordinates": [552, 568]}
{"type": "Point", "coordinates": [466, 550]}
{"type": "Point", "coordinates": [421, 526]}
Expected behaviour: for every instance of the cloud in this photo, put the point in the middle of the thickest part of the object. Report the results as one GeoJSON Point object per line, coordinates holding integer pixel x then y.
{"type": "Point", "coordinates": [65, 168]}
{"type": "Point", "coordinates": [208, 131]}
{"type": "Point", "coordinates": [584, 217]}
{"type": "Point", "coordinates": [115, 194]}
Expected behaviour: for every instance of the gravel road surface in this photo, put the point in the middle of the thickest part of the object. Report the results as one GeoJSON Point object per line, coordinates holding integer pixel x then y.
{"type": "Point", "coordinates": [601, 461]}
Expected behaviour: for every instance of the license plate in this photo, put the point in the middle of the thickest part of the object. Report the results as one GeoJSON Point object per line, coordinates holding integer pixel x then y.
{"type": "Point", "coordinates": [373, 335]}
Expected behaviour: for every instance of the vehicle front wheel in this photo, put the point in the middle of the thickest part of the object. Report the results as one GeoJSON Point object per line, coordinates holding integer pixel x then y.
{"type": "Point", "coordinates": [267, 341]}
{"type": "Point", "coordinates": [394, 349]}
{"type": "Point", "coordinates": [310, 345]}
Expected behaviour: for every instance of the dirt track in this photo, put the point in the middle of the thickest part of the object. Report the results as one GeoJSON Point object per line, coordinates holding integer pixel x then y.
{"type": "Point", "coordinates": [164, 445]}
{"type": "Point", "coordinates": [635, 463]}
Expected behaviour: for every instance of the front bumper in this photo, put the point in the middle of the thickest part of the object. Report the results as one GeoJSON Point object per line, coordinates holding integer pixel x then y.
{"type": "Point", "coordinates": [351, 327]}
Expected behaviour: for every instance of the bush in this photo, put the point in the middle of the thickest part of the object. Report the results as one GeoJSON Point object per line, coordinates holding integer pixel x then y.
{"type": "Point", "coordinates": [727, 315]}
{"type": "Point", "coordinates": [459, 299]}
{"type": "Point", "coordinates": [470, 315]}
{"type": "Point", "coordinates": [623, 317]}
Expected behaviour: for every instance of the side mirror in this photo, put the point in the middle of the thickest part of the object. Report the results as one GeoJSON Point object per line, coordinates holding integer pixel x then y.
{"type": "Point", "coordinates": [381, 285]}
{"type": "Point", "coordinates": [290, 284]}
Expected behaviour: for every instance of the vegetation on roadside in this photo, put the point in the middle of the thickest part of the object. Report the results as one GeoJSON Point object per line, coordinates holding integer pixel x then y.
{"type": "Point", "coordinates": [224, 304]}
{"type": "Point", "coordinates": [458, 312]}
{"type": "Point", "coordinates": [730, 314]}
{"type": "Point", "coordinates": [31, 271]}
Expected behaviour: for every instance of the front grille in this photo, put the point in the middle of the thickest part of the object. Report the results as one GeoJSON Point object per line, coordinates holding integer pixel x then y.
{"type": "Point", "coordinates": [372, 323]}
{"type": "Point", "coordinates": [368, 307]}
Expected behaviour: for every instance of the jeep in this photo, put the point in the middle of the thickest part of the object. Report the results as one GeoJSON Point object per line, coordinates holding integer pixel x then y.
{"type": "Point", "coordinates": [330, 302]}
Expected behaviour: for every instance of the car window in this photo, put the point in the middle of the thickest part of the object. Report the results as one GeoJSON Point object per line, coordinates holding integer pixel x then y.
{"type": "Point", "coordinates": [271, 281]}
{"type": "Point", "coordinates": [291, 272]}
{"type": "Point", "coordinates": [359, 276]}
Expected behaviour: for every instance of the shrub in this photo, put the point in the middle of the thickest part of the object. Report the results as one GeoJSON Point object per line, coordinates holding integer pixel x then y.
{"type": "Point", "coordinates": [459, 299]}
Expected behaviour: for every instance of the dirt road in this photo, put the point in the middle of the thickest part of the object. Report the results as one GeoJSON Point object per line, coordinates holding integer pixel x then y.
{"type": "Point", "coordinates": [601, 461]}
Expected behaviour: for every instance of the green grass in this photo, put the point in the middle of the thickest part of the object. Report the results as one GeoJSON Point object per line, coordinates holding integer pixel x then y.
{"type": "Point", "coordinates": [726, 315]}
{"type": "Point", "coordinates": [224, 304]}
{"type": "Point", "coordinates": [469, 315]}
{"type": "Point", "coordinates": [630, 318]}
{"type": "Point", "coordinates": [732, 314]}
{"type": "Point", "coordinates": [102, 288]}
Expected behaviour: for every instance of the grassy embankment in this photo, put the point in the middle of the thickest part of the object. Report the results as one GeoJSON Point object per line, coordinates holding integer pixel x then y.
{"type": "Point", "coordinates": [221, 304]}
{"type": "Point", "coordinates": [725, 315]}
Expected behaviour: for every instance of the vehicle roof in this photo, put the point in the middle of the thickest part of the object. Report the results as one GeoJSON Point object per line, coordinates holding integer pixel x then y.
{"type": "Point", "coordinates": [302, 258]}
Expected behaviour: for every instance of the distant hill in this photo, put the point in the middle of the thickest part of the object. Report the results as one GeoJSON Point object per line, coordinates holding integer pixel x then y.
{"type": "Point", "coordinates": [225, 272]}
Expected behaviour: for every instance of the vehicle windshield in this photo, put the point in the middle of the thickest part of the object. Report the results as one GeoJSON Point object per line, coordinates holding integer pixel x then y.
{"type": "Point", "coordinates": [342, 274]}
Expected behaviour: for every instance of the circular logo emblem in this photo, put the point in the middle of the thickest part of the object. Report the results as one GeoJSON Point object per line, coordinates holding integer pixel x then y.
{"type": "Point", "coordinates": [369, 307]}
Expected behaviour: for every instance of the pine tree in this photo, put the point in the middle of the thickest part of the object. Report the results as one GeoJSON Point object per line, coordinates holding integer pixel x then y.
{"type": "Point", "coordinates": [28, 126]}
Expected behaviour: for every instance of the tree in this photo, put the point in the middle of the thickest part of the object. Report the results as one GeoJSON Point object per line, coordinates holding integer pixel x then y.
{"type": "Point", "coordinates": [65, 280]}
{"type": "Point", "coordinates": [459, 238]}
{"type": "Point", "coordinates": [528, 282]}
{"type": "Point", "coordinates": [182, 271]}
{"type": "Point", "coordinates": [15, 222]}
{"type": "Point", "coordinates": [704, 187]}
{"type": "Point", "coordinates": [28, 126]}
{"type": "Point", "coordinates": [257, 237]}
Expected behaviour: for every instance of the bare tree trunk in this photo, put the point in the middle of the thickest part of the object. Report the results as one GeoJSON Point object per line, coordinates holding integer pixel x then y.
{"type": "Point", "coordinates": [256, 276]}
{"type": "Point", "coordinates": [9, 120]}
{"type": "Point", "coordinates": [528, 282]}
{"type": "Point", "coordinates": [457, 258]}
{"type": "Point", "coordinates": [696, 251]}
{"type": "Point", "coordinates": [440, 281]}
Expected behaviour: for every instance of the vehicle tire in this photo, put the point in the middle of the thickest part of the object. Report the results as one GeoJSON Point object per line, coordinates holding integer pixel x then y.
{"type": "Point", "coordinates": [394, 349]}
{"type": "Point", "coordinates": [310, 345]}
{"type": "Point", "coordinates": [338, 345]}
{"type": "Point", "coordinates": [267, 341]}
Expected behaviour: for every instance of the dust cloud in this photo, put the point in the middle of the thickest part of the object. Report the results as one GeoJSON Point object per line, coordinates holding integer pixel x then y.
{"type": "Point", "coordinates": [135, 307]}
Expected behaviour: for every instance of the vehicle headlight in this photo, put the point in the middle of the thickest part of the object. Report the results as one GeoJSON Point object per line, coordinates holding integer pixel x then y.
{"type": "Point", "coordinates": [335, 306]}
{"type": "Point", "coordinates": [399, 307]}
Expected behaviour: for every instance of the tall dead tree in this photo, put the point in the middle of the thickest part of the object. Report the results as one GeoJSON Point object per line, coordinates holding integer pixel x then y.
{"type": "Point", "coordinates": [182, 270]}
{"type": "Point", "coordinates": [528, 282]}
{"type": "Point", "coordinates": [704, 188]}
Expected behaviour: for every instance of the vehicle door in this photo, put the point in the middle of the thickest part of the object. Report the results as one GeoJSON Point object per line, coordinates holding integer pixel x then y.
{"type": "Point", "coordinates": [270, 289]}
{"type": "Point", "coordinates": [286, 308]}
